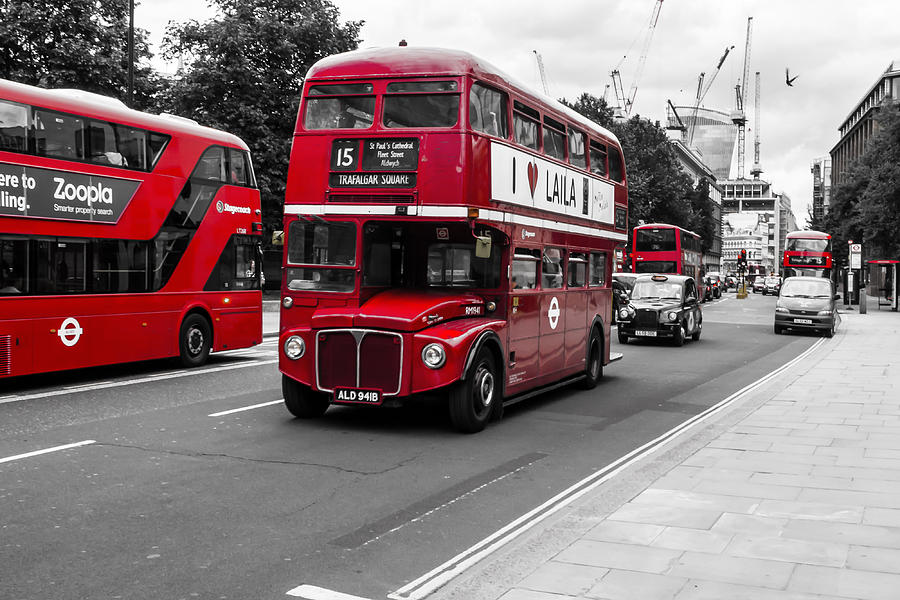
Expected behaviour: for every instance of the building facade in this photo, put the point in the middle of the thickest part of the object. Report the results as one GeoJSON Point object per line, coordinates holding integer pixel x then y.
{"type": "Point", "coordinates": [751, 205]}
{"type": "Point", "coordinates": [859, 126]}
{"type": "Point", "coordinates": [698, 171]}
{"type": "Point", "coordinates": [710, 134]}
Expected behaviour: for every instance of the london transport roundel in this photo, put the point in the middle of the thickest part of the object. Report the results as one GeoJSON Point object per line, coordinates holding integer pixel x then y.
{"type": "Point", "coordinates": [70, 331]}
{"type": "Point", "coordinates": [553, 313]}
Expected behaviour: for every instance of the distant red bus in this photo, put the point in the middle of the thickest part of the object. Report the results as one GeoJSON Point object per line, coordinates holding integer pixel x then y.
{"type": "Point", "coordinates": [807, 253]}
{"type": "Point", "coordinates": [663, 248]}
{"type": "Point", "coordinates": [447, 230]}
{"type": "Point", "coordinates": [123, 236]}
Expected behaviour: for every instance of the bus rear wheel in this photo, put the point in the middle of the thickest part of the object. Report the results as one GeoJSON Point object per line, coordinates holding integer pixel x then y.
{"type": "Point", "coordinates": [194, 340]}
{"type": "Point", "coordinates": [594, 371]}
{"type": "Point", "coordinates": [301, 401]}
{"type": "Point", "coordinates": [472, 400]}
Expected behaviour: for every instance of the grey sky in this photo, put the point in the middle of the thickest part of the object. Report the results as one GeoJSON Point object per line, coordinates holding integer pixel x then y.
{"type": "Point", "coordinates": [837, 50]}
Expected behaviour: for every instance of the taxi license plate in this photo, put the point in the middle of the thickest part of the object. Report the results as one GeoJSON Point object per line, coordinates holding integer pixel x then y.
{"type": "Point", "coordinates": [356, 396]}
{"type": "Point", "coordinates": [646, 332]}
{"type": "Point", "coordinates": [803, 321]}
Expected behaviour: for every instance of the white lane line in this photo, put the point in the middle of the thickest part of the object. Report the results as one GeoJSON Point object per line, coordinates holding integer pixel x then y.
{"type": "Point", "coordinates": [441, 575]}
{"type": "Point", "coordinates": [311, 592]}
{"type": "Point", "coordinates": [46, 451]}
{"type": "Point", "coordinates": [237, 410]}
{"type": "Point", "coordinates": [151, 378]}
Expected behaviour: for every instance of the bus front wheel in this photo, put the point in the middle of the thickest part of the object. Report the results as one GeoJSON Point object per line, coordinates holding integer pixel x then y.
{"type": "Point", "coordinates": [301, 401]}
{"type": "Point", "coordinates": [472, 399]}
{"type": "Point", "coordinates": [194, 340]}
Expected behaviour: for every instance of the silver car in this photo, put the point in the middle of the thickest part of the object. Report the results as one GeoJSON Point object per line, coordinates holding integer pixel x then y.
{"type": "Point", "coordinates": [807, 303]}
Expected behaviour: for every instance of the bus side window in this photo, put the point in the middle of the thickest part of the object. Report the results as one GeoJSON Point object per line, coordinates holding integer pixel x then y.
{"type": "Point", "coordinates": [58, 135]}
{"type": "Point", "coordinates": [238, 172]}
{"type": "Point", "coordinates": [597, 276]}
{"type": "Point", "coordinates": [576, 148]}
{"type": "Point", "coordinates": [615, 165]}
{"type": "Point", "coordinates": [211, 164]}
{"type": "Point", "coordinates": [13, 127]}
{"type": "Point", "coordinates": [487, 111]}
{"type": "Point", "coordinates": [577, 270]}
{"type": "Point", "coordinates": [524, 269]}
{"type": "Point", "coordinates": [526, 124]}
{"type": "Point", "coordinates": [598, 158]}
{"type": "Point", "coordinates": [552, 268]}
{"type": "Point", "coordinates": [554, 138]}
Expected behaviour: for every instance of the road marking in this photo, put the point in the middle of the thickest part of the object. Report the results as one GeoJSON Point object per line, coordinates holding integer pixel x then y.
{"type": "Point", "coordinates": [311, 592]}
{"type": "Point", "coordinates": [162, 377]}
{"type": "Point", "coordinates": [237, 410]}
{"type": "Point", "coordinates": [441, 575]}
{"type": "Point", "coordinates": [46, 451]}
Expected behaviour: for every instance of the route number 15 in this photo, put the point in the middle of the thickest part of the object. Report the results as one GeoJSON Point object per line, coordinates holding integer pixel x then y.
{"type": "Point", "coordinates": [344, 155]}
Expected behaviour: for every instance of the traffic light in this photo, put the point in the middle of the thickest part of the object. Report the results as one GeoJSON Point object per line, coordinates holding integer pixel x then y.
{"type": "Point", "coordinates": [742, 258]}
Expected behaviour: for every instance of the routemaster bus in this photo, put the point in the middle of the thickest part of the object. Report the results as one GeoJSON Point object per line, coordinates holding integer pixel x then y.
{"type": "Point", "coordinates": [664, 248]}
{"type": "Point", "coordinates": [124, 236]}
{"type": "Point", "coordinates": [807, 253]}
{"type": "Point", "coordinates": [448, 231]}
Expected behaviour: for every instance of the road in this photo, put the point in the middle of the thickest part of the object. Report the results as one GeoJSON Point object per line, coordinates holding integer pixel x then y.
{"type": "Point", "coordinates": [165, 500]}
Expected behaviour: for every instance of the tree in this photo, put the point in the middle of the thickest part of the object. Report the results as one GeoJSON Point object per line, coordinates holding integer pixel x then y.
{"type": "Point", "coordinates": [243, 73]}
{"type": "Point", "coordinates": [703, 215]}
{"type": "Point", "coordinates": [74, 44]}
{"type": "Point", "coordinates": [866, 205]}
{"type": "Point", "coordinates": [594, 108]}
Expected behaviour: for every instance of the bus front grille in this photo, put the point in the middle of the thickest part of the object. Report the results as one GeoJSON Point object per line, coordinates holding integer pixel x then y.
{"type": "Point", "coordinates": [5, 354]}
{"type": "Point", "coordinates": [359, 358]}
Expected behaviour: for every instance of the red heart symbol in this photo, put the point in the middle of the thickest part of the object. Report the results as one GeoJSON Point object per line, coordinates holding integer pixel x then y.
{"type": "Point", "coordinates": [532, 177]}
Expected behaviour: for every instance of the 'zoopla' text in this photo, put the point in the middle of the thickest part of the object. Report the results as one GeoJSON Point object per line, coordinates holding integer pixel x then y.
{"type": "Point", "coordinates": [83, 193]}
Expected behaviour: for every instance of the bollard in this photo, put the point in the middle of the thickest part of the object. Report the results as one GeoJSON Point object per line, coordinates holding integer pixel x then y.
{"type": "Point", "coordinates": [862, 299]}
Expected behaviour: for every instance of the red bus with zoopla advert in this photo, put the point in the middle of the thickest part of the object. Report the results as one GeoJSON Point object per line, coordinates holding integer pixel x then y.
{"type": "Point", "coordinates": [664, 248]}
{"type": "Point", "coordinates": [807, 253]}
{"type": "Point", "coordinates": [124, 236]}
{"type": "Point", "coordinates": [447, 231]}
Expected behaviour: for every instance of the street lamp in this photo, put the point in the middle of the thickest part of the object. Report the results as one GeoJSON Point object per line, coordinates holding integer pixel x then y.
{"type": "Point", "coordinates": [130, 52]}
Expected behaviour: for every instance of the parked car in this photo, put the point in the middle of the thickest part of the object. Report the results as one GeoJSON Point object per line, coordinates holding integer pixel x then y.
{"type": "Point", "coordinates": [772, 285]}
{"type": "Point", "coordinates": [759, 284]}
{"type": "Point", "coordinates": [621, 284]}
{"type": "Point", "coordinates": [718, 284]}
{"type": "Point", "coordinates": [807, 303]}
{"type": "Point", "coordinates": [662, 306]}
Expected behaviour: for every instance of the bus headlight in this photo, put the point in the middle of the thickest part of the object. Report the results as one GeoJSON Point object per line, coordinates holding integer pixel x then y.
{"type": "Point", "coordinates": [433, 356]}
{"type": "Point", "coordinates": [287, 302]}
{"type": "Point", "coordinates": [294, 347]}
{"type": "Point", "coordinates": [673, 316]}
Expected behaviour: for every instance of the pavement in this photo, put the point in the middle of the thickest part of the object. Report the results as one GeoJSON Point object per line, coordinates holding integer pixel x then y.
{"type": "Point", "coordinates": [791, 491]}
{"type": "Point", "coordinates": [271, 315]}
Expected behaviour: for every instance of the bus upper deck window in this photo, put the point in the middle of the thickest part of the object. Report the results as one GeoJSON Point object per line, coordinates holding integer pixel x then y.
{"type": "Point", "coordinates": [13, 127]}
{"type": "Point", "coordinates": [598, 158]}
{"type": "Point", "coordinates": [576, 148]}
{"type": "Point", "coordinates": [487, 111]}
{"type": "Point", "coordinates": [58, 135]}
{"type": "Point", "coordinates": [421, 104]}
{"type": "Point", "coordinates": [340, 106]}
{"type": "Point", "coordinates": [525, 124]}
{"type": "Point", "coordinates": [616, 172]}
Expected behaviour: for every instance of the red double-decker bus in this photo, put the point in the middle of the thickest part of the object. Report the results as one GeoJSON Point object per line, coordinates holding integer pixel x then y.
{"type": "Point", "coordinates": [807, 253]}
{"type": "Point", "coordinates": [447, 230]}
{"type": "Point", "coordinates": [664, 248]}
{"type": "Point", "coordinates": [123, 236]}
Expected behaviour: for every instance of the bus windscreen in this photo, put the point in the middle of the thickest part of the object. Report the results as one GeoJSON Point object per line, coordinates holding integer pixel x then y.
{"type": "Point", "coordinates": [654, 240]}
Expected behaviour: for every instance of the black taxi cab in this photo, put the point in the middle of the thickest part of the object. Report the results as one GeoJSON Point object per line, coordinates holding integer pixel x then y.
{"type": "Point", "coordinates": [662, 306]}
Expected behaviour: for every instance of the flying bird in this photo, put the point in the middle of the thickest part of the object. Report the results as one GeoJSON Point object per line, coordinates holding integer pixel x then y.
{"type": "Point", "coordinates": [787, 77]}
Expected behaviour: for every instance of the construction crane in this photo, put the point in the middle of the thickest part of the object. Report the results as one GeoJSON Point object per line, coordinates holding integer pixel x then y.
{"type": "Point", "coordinates": [540, 63]}
{"type": "Point", "coordinates": [740, 91]}
{"type": "Point", "coordinates": [627, 102]}
{"type": "Point", "coordinates": [757, 169]}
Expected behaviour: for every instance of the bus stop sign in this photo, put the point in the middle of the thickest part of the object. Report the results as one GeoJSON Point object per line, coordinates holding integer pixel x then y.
{"type": "Point", "coordinates": [855, 256]}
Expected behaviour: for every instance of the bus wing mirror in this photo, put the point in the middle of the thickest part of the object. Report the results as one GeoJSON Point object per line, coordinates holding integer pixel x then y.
{"type": "Point", "coordinates": [483, 246]}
